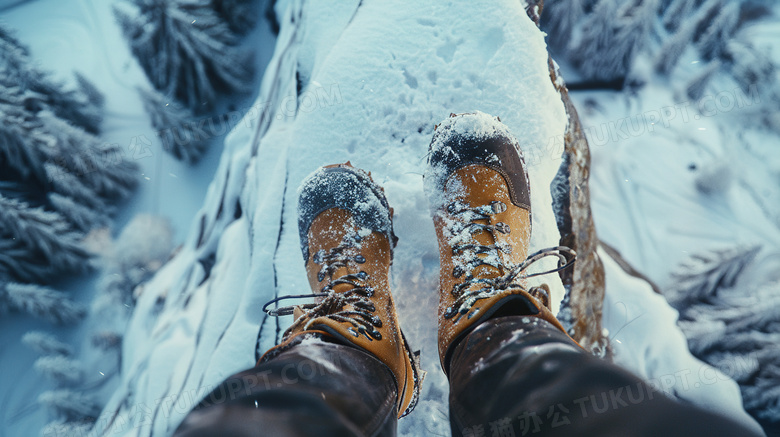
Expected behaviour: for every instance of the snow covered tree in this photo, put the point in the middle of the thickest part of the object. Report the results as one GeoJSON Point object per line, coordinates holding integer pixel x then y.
{"type": "Point", "coordinates": [38, 301]}
{"type": "Point", "coordinates": [70, 405]}
{"type": "Point", "coordinates": [46, 343]}
{"type": "Point", "coordinates": [748, 66]}
{"type": "Point", "coordinates": [700, 277]}
{"type": "Point", "coordinates": [561, 18]}
{"type": "Point", "coordinates": [59, 369]}
{"type": "Point", "coordinates": [36, 244]}
{"type": "Point", "coordinates": [80, 216]}
{"type": "Point", "coordinates": [713, 41]}
{"type": "Point", "coordinates": [175, 127]}
{"type": "Point", "coordinates": [698, 84]}
{"type": "Point", "coordinates": [186, 49]}
{"type": "Point", "coordinates": [58, 181]}
{"type": "Point", "coordinates": [733, 323]}
{"type": "Point", "coordinates": [673, 48]}
{"type": "Point", "coordinates": [677, 12]}
{"type": "Point", "coordinates": [81, 106]}
{"type": "Point", "coordinates": [240, 15]}
{"type": "Point", "coordinates": [612, 36]}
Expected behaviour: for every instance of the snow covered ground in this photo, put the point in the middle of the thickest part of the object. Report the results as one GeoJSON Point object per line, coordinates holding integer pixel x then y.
{"type": "Point", "coordinates": [375, 79]}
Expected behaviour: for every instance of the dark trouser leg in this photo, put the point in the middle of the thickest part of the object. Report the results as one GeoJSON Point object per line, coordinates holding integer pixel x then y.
{"type": "Point", "coordinates": [521, 373]}
{"type": "Point", "coordinates": [312, 389]}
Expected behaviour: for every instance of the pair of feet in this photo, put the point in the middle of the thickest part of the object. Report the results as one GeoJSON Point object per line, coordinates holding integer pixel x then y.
{"type": "Point", "coordinates": [478, 192]}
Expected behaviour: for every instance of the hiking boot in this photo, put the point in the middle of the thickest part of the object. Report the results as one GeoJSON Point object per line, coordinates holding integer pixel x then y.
{"type": "Point", "coordinates": [347, 240]}
{"type": "Point", "coordinates": [478, 192]}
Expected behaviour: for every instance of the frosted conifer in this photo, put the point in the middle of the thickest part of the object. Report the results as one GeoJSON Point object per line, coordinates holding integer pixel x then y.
{"type": "Point", "coordinates": [696, 87]}
{"type": "Point", "coordinates": [713, 41]}
{"type": "Point", "coordinates": [612, 36]}
{"type": "Point", "coordinates": [39, 301]}
{"type": "Point", "coordinates": [677, 12]}
{"type": "Point", "coordinates": [240, 15]}
{"type": "Point", "coordinates": [175, 127]}
{"type": "Point", "coordinates": [59, 369]}
{"type": "Point", "coordinates": [70, 405]}
{"type": "Point", "coordinates": [80, 216]}
{"type": "Point", "coordinates": [699, 278]}
{"type": "Point", "coordinates": [186, 50]}
{"type": "Point", "coordinates": [674, 47]}
{"type": "Point", "coordinates": [37, 243]}
{"type": "Point", "coordinates": [560, 18]}
{"type": "Point", "coordinates": [46, 343]}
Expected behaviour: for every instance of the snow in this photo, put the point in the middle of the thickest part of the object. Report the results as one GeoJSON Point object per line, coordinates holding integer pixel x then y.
{"type": "Point", "coordinates": [376, 78]}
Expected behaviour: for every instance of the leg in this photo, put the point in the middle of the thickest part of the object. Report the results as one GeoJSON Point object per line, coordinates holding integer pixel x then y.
{"type": "Point", "coordinates": [343, 368]}
{"type": "Point", "coordinates": [312, 389]}
{"type": "Point", "coordinates": [513, 369]}
{"type": "Point", "coordinates": [524, 374]}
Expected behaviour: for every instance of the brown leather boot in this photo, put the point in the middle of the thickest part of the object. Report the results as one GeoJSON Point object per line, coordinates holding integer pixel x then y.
{"type": "Point", "coordinates": [478, 192]}
{"type": "Point", "coordinates": [347, 239]}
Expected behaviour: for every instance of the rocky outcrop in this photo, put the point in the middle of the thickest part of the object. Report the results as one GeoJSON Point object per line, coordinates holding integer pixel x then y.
{"type": "Point", "coordinates": [584, 283]}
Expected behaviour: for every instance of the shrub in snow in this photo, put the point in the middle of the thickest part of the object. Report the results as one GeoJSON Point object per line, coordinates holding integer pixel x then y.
{"type": "Point", "coordinates": [186, 49]}
{"type": "Point", "coordinates": [60, 369]}
{"type": "Point", "coordinates": [612, 36]}
{"type": "Point", "coordinates": [733, 323]}
{"type": "Point", "coordinates": [70, 405]}
{"type": "Point", "coordinates": [141, 249]}
{"type": "Point", "coordinates": [46, 343]}
{"type": "Point", "coordinates": [176, 127]}
{"type": "Point", "coordinates": [40, 302]}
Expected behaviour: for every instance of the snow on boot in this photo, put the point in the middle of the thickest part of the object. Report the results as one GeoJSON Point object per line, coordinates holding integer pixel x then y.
{"type": "Point", "coordinates": [347, 240]}
{"type": "Point", "coordinates": [478, 192]}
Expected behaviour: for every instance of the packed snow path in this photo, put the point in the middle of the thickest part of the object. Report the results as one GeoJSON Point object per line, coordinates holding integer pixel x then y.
{"type": "Point", "coordinates": [365, 83]}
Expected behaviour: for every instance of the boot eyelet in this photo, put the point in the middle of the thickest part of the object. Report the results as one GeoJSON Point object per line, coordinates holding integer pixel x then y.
{"type": "Point", "coordinates": [317, 258]}
{"type": "Point", "coordinates": [362, 275]}
{"type": "Point", "coordinates": [503, 228]}
{"type": "Point", "coordinates": [451, 208]}
{"type": "Point", "coordinates": [376, 334]}
{"type": "Point", "coordinates": [320, 276]}
{"type": "Point", "coordinates": [457, 271]}
{"type": "Point", "coordinates": [498, 206]}
{"type": "Point", "coordinates": [376, 321]}
{"type": "Point", "coordinates": [360, 259]}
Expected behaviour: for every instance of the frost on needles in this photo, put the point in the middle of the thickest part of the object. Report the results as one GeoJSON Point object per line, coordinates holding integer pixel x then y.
{"type": "Point", "coordinates": [189, 50]}
{"type": "Point", "coordinates": [58, 182]}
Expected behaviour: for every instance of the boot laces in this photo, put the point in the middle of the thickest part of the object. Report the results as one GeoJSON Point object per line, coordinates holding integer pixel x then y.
{"type": "Point", "coordinates": [466, 251]}
{"type": "Point", "coordinates": [333, 305]}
